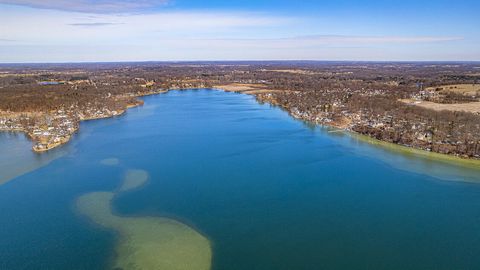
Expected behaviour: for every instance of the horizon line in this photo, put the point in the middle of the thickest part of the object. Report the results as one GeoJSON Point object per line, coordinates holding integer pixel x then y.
{"type": "Point", "coordinates": [244, 61]}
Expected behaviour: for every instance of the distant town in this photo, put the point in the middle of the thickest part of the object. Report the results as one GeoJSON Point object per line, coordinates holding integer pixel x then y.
{"type": "Point", "coordinates": [429, 106]}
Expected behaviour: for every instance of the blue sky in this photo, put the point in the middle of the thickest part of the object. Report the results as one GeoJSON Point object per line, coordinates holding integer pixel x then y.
{"type": "Point", "coordinates": [164, 30]}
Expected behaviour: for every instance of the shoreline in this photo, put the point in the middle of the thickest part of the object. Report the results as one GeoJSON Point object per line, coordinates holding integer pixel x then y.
{"type": "Point", "coordinates": [339, 128]}
{"type": "Point", "coordinates": [416, 152]}
{"type": "Point", "coordinates": [261, 92]}
{"type": "Point", "coordinates": [49, 138]}
{"type": "Point", "coordinates": [404, 149]}
{"type": "Point", "coordinates": [343, 126]}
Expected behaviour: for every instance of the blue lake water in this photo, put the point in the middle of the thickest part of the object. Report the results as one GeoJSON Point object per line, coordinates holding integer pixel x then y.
{"type": "Point", "coordinates": [268, 191]}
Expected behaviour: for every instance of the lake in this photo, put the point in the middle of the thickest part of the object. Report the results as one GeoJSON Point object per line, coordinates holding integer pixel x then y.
{"type": "Point", "coordinates": [204, 179]}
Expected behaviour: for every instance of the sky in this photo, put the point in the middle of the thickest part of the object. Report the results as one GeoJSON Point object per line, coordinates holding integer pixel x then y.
{"type": "Point", "coordinates": [187, 30]}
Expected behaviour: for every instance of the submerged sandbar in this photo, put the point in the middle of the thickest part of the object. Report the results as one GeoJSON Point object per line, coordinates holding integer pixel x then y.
{"type": "Point", "coordinates": [147, 242]}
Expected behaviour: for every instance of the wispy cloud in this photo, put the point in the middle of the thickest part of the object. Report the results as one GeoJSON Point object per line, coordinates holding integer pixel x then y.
{"type": "Point", "coordinates": [108, 30]}
{"type": "Point", "coordinates": [91, 6]}
{"type": "Point", "coordinates": [94, 24]}
{"type": "Point", "coordinates": [375, 39]}
{"type": "Point", "coordinates": [6, 40]}
{"type": "Point", "coordinates": [324, 40]}
{"type": "Point", "coordinates": [152, 28]}
{"type": "Point", "coordinates": [313, 41]}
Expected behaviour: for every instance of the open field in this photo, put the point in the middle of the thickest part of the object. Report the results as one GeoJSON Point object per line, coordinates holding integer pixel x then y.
{"type": "Point", "coordinates": [250, 89]}
{"type": "Point", "coordinates": [294, 71]}
{"type": "Point", "coordinates": [472, 107]}
{"type": "Point", "coordinates": [308, 72]}
{"type": "Point", "coordinates": [465, 89]}
{"type": "Point", "coordinates": [241, 87]}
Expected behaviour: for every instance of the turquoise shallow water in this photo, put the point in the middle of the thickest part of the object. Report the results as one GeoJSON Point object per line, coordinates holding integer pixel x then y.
{"type": "Point", "coordinates": [268, 191]}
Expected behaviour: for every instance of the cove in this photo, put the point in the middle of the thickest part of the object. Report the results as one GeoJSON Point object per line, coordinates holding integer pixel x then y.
{"type": "Point", "coordinates": [267, 192]}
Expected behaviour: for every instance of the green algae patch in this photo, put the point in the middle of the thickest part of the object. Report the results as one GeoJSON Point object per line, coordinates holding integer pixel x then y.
{"type": "Point", "coordinates": [110, 161]}
{"type": "Point", "coordinates": [147, 242]}
{"type": "Point", "coordinates": [133, 180]}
